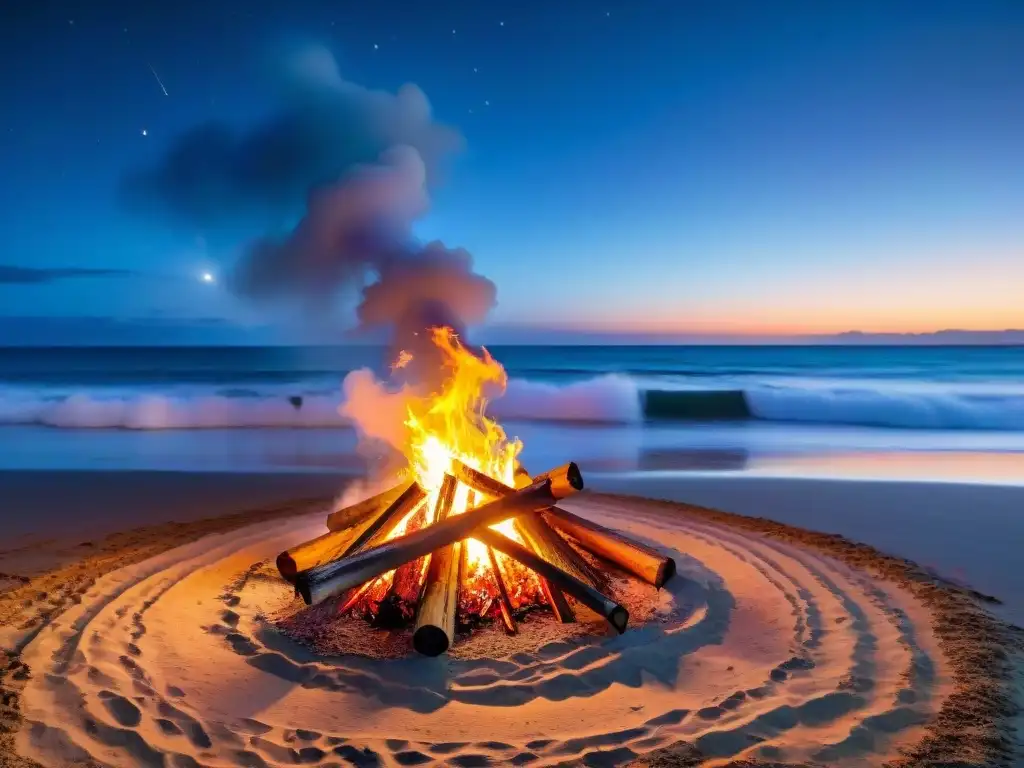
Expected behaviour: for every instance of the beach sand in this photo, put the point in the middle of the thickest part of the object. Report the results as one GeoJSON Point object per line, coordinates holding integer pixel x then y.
{"type": "Point", "coordinates": [775, 645]}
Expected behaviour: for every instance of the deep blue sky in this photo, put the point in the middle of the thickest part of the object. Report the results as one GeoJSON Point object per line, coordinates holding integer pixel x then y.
{"type": "Point", "coordinates": [747, 167]}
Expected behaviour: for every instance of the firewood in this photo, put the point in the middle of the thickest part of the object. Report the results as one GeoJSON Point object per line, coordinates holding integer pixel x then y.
{"type": "Point", "coordinates": [398, 606]}
{"type": "Point", "coordinates": [504, 603]}
{"type": "Point", "coordinates": [382, 526]}
{"type": "Point", "coordinates": [604, 606]}
{"type": "Point", "coordinates": [361, 511]}
{"type": "Point", "coordinates": [332, 578]}
{"type": "Point", "coordinates": [539, 536]}
{"type": "Point", "coordinates": [642, 561]}
{"type": "Point", "coordinates": [366, 520]}
{"type": "Point", "coordinates": [488, 486]}
{"type": "Point", "coordinates": [534, 530]}
{"type": "Point", "coordinates": [435, 620]}
{"type": "Point", "coordinates": [508, 619]}
{"type": "Point", "coordinates": [372, 533]}
{"type": "Point", "coordinates": [556, 599]}
{"type": "Point", "coordinates": [322, 549]}
{"type": "Point", "coordinates": [633, 557]}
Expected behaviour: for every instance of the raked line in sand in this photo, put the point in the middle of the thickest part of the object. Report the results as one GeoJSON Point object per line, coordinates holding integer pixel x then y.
{"type": "Point", "coordinates": [761, 649]}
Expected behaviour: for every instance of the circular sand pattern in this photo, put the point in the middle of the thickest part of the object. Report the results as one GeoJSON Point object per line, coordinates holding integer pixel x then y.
{"type": "Point", "coordinates": [757, 650]}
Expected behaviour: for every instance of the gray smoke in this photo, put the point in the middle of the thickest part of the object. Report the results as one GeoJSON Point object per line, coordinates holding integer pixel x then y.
{"type": "Point", "coordinates": [362, 163]}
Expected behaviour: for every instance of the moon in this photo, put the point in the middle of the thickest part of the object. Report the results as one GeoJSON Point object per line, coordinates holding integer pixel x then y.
{"type": "Point", "coordinates": [207, 277]}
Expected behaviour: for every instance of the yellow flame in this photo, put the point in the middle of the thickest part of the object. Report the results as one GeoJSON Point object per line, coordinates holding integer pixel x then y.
{"type": "Point", "coordinates": [451, 424]}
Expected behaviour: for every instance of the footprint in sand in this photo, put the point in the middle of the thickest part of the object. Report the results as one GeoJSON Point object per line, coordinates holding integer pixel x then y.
{"type": "Point", "coordinates": [121, 709]}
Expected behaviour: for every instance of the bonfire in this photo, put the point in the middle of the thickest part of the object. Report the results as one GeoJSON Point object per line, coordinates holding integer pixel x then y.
{"type": "Point", "coordinates": [466, 531]}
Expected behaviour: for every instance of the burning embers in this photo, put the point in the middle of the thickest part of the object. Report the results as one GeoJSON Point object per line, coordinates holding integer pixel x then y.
{"type": "Point", "coordinates": [457, 538]}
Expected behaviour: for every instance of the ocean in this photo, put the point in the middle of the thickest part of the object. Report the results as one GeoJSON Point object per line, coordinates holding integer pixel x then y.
{"type": "Point", "coordinates": [613, 408]}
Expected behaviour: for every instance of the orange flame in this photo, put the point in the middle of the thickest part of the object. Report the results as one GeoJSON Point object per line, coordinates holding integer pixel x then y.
{"type": "Point", "coordinates": [451, 425]}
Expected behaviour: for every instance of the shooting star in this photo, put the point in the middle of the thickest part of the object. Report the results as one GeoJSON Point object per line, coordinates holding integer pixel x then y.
{"type": "Point", "coordinates": [158, 80]}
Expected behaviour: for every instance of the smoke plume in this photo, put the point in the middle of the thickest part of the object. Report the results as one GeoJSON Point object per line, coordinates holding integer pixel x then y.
{"type": "Point", "coordinates": [356, 167]}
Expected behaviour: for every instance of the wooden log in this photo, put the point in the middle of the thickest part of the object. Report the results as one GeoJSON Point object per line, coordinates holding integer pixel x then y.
{"type": "Point", "coordinates": [411, 498]}
{"type": "Point", "coordinates": [508, 619]}
{"type": "Point", "coordinates": [348, 601]}
{"type": "Point", "coordinates": [398, 606]}
{"type": "Point", "coordinates": [435, 620]}
{"type": "Point", "coordinates": [332, 578]}
{"type": "Point", "coordinates": [642, 561]}
{"type": "Point", "coordinates": [368, 520]}
{"type": "Point", "coordinates": [362, 511]}
{"type": "Point", "coordinates": [604, 606]}
{"type": "Point", "coordinates": [556, 599]}
{"type": "Point", "coordinates": [633, 557]}
{"type": "Point", "coordinates": [534, 530]}
{"type": "Point", "coordinates": [314, 552]}
{"type": "Point", "coordinates": [382, 526]}
{"type": "Point", "coordinates": [541, 538]}
{"type": "Point", "coordinates": [504, 603]}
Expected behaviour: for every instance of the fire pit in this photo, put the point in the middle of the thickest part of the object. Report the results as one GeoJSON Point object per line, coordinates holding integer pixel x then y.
{"type": "Point", "coordinates": [467, 532]}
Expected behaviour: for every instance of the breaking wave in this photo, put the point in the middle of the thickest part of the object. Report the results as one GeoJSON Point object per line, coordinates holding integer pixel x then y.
{"type": "Point", "coordinates": [609, 399]}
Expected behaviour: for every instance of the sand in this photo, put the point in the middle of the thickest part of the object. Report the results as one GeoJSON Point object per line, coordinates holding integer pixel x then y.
{"type": "Point", "coordinates": [773, 646]}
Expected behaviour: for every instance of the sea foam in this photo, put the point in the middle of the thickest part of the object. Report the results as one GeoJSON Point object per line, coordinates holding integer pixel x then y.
{"type": "Point", "coordinates": [610, 399]}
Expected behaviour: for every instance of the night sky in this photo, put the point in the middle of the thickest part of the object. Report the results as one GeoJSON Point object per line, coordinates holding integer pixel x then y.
{"type": "Point", "coordinates": [625, 166]}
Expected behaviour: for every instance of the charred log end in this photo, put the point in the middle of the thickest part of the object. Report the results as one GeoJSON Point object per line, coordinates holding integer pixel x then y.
{"type": "Point", "coordinates": [304, 589]}
{"type": "Point", "coordinates": [430, 640]}
{"type": "Point", "coordinates": [665, 572]}
{"type": "Point", "coordinates": [286, 566]}
{"type": "Point", "coordinates": [618, 617]}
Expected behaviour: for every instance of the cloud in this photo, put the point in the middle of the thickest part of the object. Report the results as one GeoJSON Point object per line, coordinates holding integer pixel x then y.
{"type": "Point", "coordinates": [88, 330]}
{"type": "Point", "coordinates": [11, 275]}
{"type": "Point", "coordinates": [324, 127]}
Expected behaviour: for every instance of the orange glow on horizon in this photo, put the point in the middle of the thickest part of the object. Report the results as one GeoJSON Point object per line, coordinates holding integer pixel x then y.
{"type": "Point", "coordinates": [808, 318]}
{"type": "Point", "coordinates": [765, 328]}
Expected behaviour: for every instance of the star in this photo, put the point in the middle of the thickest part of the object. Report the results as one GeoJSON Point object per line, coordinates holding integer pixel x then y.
{"type": "Point", "coordinates": [607, 13]}
{"type": "Point", "coordinates": [145, 132]}
{"type": "Point", "coordinates": [453, 31]}
{"type": "Point", "coordinates": [501, 23]}
{"type": "Point", "coordinates": [487, 103]}
{"type": "Point", "coordinates": [475, 69]}
{"type": "Point", "coordinates": [71, 22]}
{"type": "Point", "coordinates": [376, 47]}
{"type": "Point", "coordinates": [207, 277]}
